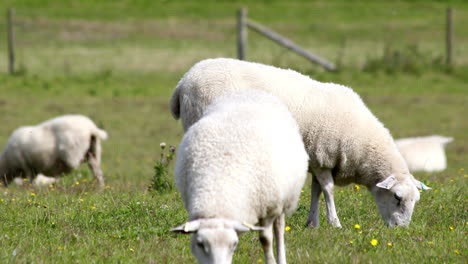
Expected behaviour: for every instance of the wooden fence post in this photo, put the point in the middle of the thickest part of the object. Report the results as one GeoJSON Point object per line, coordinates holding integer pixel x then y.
{"type": "Point", "coordinates": [241, 33]}
{"type": "Point", "coordinates": [449, 37]}
{"type": "Point", "coordinates": [10, 39]}
{"type": "Point", "coordinates": [290, 45]}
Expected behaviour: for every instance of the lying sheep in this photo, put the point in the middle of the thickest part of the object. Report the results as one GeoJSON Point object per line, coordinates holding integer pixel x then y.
{"type": "Point", "coordinates": [242, 163]}
{"type": "Point", "coordinates": [345, 141]}
{"type": "Point", "coordinates": [424, 153]}
{"type": "Point", "coordinates": [40, 180]}
{"type": "Point", "coordinates": [54, 147]}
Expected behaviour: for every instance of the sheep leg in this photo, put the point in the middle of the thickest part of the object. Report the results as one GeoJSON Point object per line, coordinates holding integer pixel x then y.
{"type": "Point", "coordinates": [325, 178]}
{"type": "Point", "coordinates": [94, 165]}
{"type": "Point", "coordinates": [279, 235]}
{"type": "Point", "coordinates": [266, 238]}
{"type": "Point", "coordinates": [313, 219]}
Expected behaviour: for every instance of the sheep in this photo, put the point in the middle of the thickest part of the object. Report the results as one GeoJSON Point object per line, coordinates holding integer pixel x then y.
{"type": "Point", "coordinates": [40, 180]}
{"type": "Point", "coordinates": [54, 147]}
{"type": "Point", "coordinates": [424, 153]}
{"type": "Point", "coordinates": [243, 163]}
{"type": "Point", "coordinates": [346, 143]}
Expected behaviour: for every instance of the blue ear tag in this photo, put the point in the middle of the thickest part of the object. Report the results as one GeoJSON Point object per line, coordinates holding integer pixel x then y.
{"type": "Point", "coordinates": [424, 187]}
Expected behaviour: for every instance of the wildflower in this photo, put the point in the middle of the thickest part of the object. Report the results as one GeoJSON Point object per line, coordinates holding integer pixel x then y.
{"type": "Point", "coordinates": [51, 186]}
{"type": "Point", "coordinates": [390, 244]}
{"type": "Point", "coordinates": [287, 228]}
{"type": "Point", "coordinates": [462, 169]}
{"type": "Point", "coordinates": [374, 242]}
{"type": "Point", "coordinates": [93, 207]}
{"type": "Point", "coordinates": [430, 243]}
{"type": "Point", "coordinates": [466, 175]}
{"type": "Point", "coordinates": [60, 248]}
{"type": "Point", "coordinates": [81, 200]}
{"type": "Point", "coordinates": [29, 200]}
{"type": "Point", "coordinates": [357, 188]}
{"type": "Point", "coordinates": [302, 191]}
{"type": "Point", "coordinates": [1, 200]}
{"type": "Point", "coordinates": [131, 249]}
{"type": "Point", "coordinates": [360, 232]}
{"type": "Point", "coordinates": [260, 260]}
{"type": "Point", "coordinates": [457, 251]}
{"type": "Point", "coordinates": [77, 183]}
{"type": "Point", "coordinates": [451, 180]}
{"type": "Point", "coordinates": [33, 194]}
{"type": "Point", "coordinates": [85, 193]}
{"type": "Point", "coordinates": [357, 226]}
{"type": "Point", "coordinates": [13, 199]}
{"type": "Point", "coordinates": [351, 242]}
{"type": "Point", "coordinates": [451, 227]}
{"type": "Point", "coordinates": [173, 149]}
{"type": "Point", "coordinates": [162, 145]}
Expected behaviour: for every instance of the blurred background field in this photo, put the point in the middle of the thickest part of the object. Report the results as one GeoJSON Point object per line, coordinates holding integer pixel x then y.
{"type": "Point", "coordinates": [118, 62]}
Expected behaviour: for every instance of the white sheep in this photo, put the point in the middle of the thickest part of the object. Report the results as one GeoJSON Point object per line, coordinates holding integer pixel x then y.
{"type": "Point", "coordinates": [243, 163]}
{"type": "Point", "coordinates": [54, 147]}
{"type": "Point", "coordinates": [424, 153]}
{"type": "Point", "coordinates": [345, 141]}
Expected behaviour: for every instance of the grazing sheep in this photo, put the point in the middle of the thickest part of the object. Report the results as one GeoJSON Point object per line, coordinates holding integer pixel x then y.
{"type": "Point", "coordinates": [242, 163]}
{"type": "Point", "coordinates": [345, 141]}
{"type": "Point", "coordinates": [424, 153]}
{"type": "Point", "coordinates": [54, 147]}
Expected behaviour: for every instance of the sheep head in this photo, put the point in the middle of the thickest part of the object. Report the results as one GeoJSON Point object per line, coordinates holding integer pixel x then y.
{"type": "Point", "coordinates": [214, 239]}
{"type": "Point", "coordinates": [396, 197]}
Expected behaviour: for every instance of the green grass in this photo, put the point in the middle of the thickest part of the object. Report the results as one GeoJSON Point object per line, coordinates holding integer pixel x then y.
{"type": "Point", "coordinates": [118, 61]}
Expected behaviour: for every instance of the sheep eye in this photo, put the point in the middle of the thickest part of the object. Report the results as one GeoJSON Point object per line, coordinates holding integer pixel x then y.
{"type": "Point", "coordinates": [398, 198]}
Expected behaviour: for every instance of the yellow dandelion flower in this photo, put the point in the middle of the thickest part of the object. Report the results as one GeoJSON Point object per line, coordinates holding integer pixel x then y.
{"type": "Point", "coordinates": [29, 200]}
{"type": "Point", "coordinates": [420, 191]}
{"type": "Point", "coordinates": [77, 183]}
{"type": "Point", "coordinates": [13, 199]}
{"type": "Point", "coordinates": [33, 194]}
{"type": "Point", "coordinates": [131, 249]}
{"type": "Point", "coordinates": [302, 191]}
{"type": "Point", "coordinates": [451, 180]}
{"type": "Point", "coordinates": [287, 228]}
{"type": "Point", "coordinates": [357, 188]}
{"type": "Point", "coordinates": [25, 180]}
{"type": "Point", "coordinates": [390, 244]}
{"type": "Point", "coordinates": [357, 226]}
{"type": "Point", "coordinates": [351, 242]}
{"type": "Point", "coordinates": [81, 200]}
{"type": "Point", "coordinates": [451, 227]}
{"type": "Point", "coordinates": [374, 242]}
{"type": "Point", "coordinates": [260, 260]}
{"type": "Point", "coordinates": [51, 186]}
{"type": "Point", "coordinates": [457, 251]}
{"type": "Point", "coordinates": [466, 175]}
{"type": "Point", "coordinates": [462, 169]}
{"type": "Point", "coordinates": [93, 207]}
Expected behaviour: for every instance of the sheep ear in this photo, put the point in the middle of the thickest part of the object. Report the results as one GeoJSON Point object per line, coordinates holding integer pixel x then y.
{"type": "Point", "coordinates": [387, 183]}
{"type": "Point", "coordinates": [245, 227]}
{"type": "Point", "coordinates": [421, 186]}
{"type": "Point", "coordinates": [187, 228]}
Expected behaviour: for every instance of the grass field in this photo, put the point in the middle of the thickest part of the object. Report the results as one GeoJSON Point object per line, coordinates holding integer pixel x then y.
{"type": "Point", "coordinates": [118, 61]}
